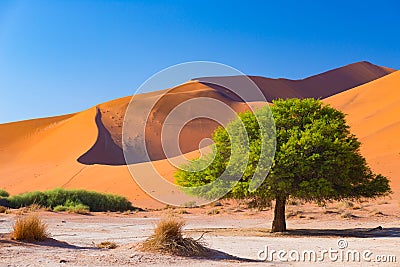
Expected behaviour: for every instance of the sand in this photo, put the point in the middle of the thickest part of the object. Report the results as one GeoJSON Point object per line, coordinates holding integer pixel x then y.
{"type": "Point", "coordinates": [318, 86]}
{"type": "Point", "coordinates": [83, 150]}
{"type": "Point", "coordinates": [373, 113]}
{"type": "Point", "coordinates": [236, 234]}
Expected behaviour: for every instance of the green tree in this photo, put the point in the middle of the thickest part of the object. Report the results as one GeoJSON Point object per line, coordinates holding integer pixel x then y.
{"type": "Point", "coordinates": [316, 159]}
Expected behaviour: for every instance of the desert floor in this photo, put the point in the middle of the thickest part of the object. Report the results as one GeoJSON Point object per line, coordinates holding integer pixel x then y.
{"type": "Point", "coordinates": [235, 232]}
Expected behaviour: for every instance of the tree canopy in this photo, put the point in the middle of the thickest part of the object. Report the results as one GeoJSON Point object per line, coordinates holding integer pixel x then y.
{"type": "Point", "coordinates": [317, 158]}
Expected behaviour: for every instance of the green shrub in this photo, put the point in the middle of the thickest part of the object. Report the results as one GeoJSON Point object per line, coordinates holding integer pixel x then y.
{"type": "Point", "coordinates": [74, 207]}
{"type": "Point", "coordinates": [4, 193]}
{"type": "Point", "coordinates": [61, 197]}
{"type": "Point", "coordinates": [27, 199]}
{"type": "Point", "coordinates": [79, 208]}
{"type": "Point", "coordinates": [60, 208]}
{"type": "Point", "coordinates": [4, 202]}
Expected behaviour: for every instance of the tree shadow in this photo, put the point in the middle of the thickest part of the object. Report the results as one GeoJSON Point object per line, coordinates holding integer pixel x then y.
{"type": "Point", "coordinates": [217, 255]}
{"type": "Point", "coordinates": [351, 232]}
{"type": "Point", "coordinates": [265, 232]}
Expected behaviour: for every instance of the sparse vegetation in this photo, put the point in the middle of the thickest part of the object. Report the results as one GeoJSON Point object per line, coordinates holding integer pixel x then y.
{"type": "Point", "coordinates": [73, 207]}
{"type": "Point", "coordinates": [168, 238]}
{"type": "Point", "coordinates": [128, 212]}
{"type": "Point", "coordinates": [182, 211]}
{"type": "Point", "coordinates": [292, 213]}
{"type": "Point", "coordinates": [4, 202]}
{"type": "Point", "coordinates": [60, 208]}
{"type": "Point", "coordinates": [4, 193]}
{"type": "Point", "coordinates": [190, 204]}
{"type": "Point", "coordinates": [292, 202]}
{"type": "Point", "coordinates": [107, 245]}
{"type": "Point", "coordinates": [80, 198]}
{"type": "Point", "coordinates": [30, 228]}
{"type": "Point", "coordinates": [383, 202]}
{"type": "Point", "coordinates": [3, 209]}
{"type": "Point", "coordinates": [216, 204]}
{"type": "Point", "coordinates": [213, 212]}
{"type": "Point", "coordinates": [259, 203]}
{"type": "Point", "coordinates": [345, 204]}
{"type": "Point", "coordinates": [28, 209]}
{"type": "Point", "coordinates": [347, 215]}
{"type": "Point", "coordinates": [35, 207]}
{"type": "Point", "coordinates": [376, 213]}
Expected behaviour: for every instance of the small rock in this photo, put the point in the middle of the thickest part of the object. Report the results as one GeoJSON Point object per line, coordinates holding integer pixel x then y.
{"type": "Point", "coordinates": [63, 261]}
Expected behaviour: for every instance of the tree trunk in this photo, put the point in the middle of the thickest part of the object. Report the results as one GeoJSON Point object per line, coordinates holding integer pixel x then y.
{"type": "Point", "coordinates": [279, 223]}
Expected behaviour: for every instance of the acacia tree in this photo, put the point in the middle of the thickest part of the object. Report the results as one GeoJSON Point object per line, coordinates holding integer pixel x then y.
{"type": "Point", "coordinates": [316, 159]}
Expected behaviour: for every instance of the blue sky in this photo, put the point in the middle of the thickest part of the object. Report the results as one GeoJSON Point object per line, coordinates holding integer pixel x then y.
{"type": "Point", "coordinates": [60, 57]}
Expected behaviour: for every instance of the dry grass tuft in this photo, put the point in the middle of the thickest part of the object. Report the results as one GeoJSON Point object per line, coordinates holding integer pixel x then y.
{"type": "Point", "coordinates": [29, 228]}
{"type": "Point", "coordinates": [383, 202]}
{"type": "Point", "coordinates": [213, 212]}
{"type": "Point", "coordinates": [3, 209]}
{"type": "Point", "coordinates": [34, 207]}
{"type": "Point", "coordinates": [347, 215]}
{"type": "Point", "coordinates": [182, 211]}
{"type": "Point", "coordinates": [107, 245]}
{"type": "Point", "coordinates": [31, 209]}
{"type": "Point", "coordinates": [168, 238]}
{"type": "Point", "coordinates": [376, 213]}
{"type": "Point", "coordinates": [298, 213]}
{"type": "Point", "coordinates": [216, 204]}
{"type": "Point", "coordinates": [345, 204]}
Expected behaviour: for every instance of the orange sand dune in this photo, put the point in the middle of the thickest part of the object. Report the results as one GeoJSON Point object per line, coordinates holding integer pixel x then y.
{"type": "Point", "coordinates": [108, 148]}
{"type": "Point", "coordinates": [374, 116]}
{"type": "Point", "coordinates": [319, 86]}
{"type": "Point", "coordinates": [45, 156]}
{"type": "Point", "coordinates": [84, 150]}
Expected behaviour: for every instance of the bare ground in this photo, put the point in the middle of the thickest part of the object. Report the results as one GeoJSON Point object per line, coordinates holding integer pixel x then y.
{"type": "Point", "coordinates": [235, 233]}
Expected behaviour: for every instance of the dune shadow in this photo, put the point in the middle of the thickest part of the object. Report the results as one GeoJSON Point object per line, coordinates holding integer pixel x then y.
{"type": "Point", "coordinates": [104, 151]}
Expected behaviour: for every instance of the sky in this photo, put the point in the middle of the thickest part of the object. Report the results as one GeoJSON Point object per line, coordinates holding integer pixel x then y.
{"type": "Point", "coordinates": [59, 57]}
